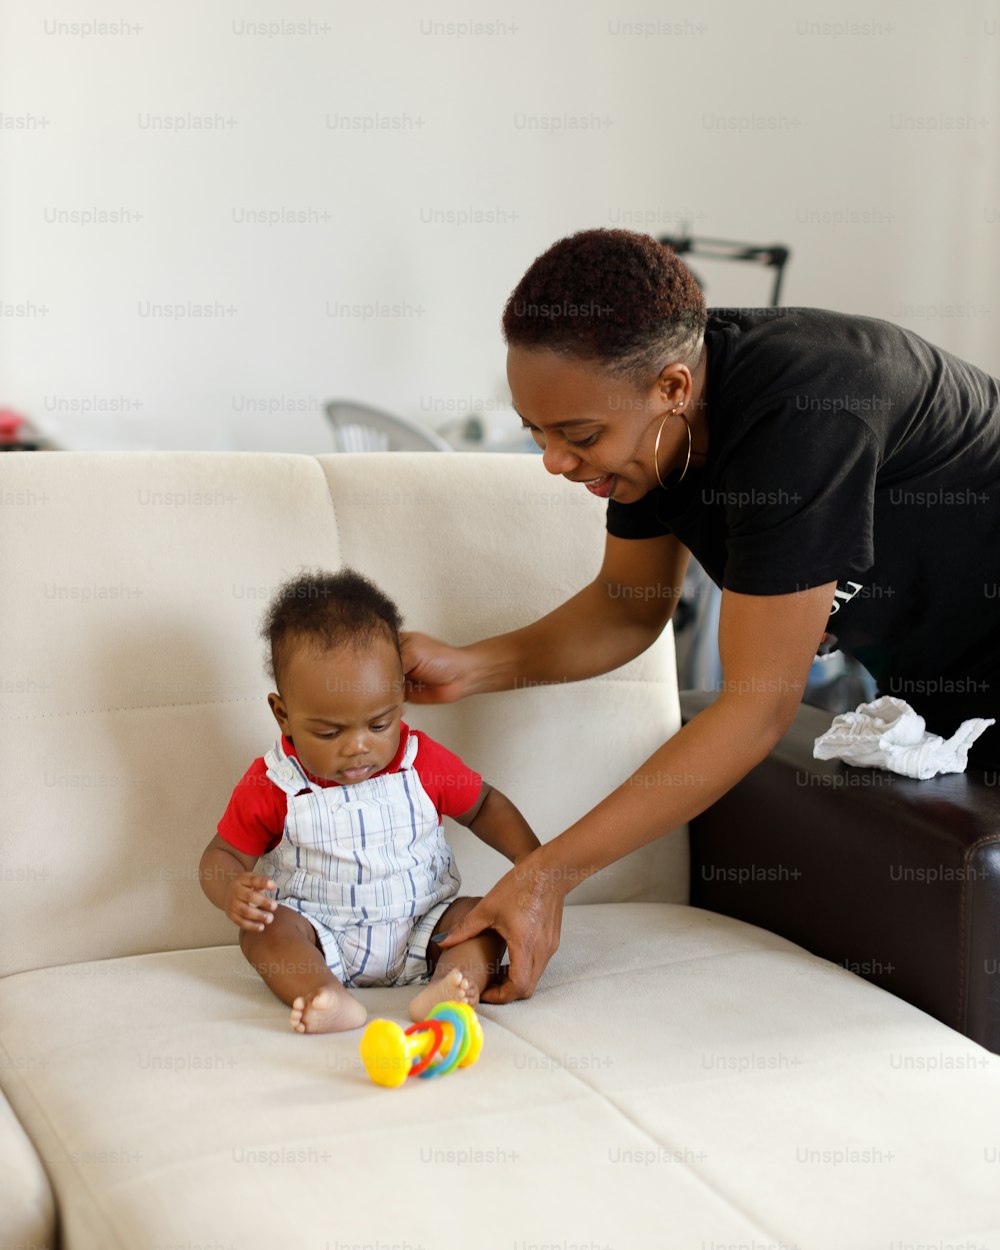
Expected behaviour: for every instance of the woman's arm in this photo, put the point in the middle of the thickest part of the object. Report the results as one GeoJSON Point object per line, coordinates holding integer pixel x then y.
{"type": "Point", "coordinates": [611, 621]}
{"type": "Point", "coordinates": [767, 644]}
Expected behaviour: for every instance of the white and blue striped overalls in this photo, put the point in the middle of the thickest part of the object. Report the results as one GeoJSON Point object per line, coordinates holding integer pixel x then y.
{"type": "Point", "coordinates": [367, 865]}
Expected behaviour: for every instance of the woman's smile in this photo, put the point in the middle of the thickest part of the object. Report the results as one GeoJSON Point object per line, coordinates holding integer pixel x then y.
{"type": "Point", "coordinates": [601, 486]}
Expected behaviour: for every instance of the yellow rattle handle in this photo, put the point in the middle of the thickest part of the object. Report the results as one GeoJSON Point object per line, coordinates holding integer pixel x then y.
{"type": "Point", "coordinates": [391, 1054]}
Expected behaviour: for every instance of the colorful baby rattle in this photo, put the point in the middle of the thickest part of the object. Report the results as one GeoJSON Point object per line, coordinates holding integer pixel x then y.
{"type": "Point", "coordinates": [451, 1031]}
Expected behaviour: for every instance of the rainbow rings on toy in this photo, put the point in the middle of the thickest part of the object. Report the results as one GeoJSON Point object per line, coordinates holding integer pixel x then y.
{"type": "Point", "coordinates": [451, 1037]}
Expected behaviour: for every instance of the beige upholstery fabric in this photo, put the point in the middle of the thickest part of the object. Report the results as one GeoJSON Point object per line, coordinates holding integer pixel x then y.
{"type": "Point", "coordinates": [681, 1076]}
{"type": "Point", "coordinates": [680, 1080]}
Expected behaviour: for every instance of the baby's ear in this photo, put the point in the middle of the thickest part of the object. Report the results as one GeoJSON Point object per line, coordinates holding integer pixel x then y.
{"type": "Point", "coordinates": [277, 705]}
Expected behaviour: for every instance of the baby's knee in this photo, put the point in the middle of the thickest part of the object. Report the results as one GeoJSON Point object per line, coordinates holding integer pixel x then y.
{"type": "Point", "coordinates": [255, 941]}
{"type": "Point", "coordinates": [456, 911]}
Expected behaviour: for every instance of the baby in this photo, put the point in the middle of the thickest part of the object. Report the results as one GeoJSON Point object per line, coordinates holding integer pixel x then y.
{"type": "Point", "coordinates": [344, 815]}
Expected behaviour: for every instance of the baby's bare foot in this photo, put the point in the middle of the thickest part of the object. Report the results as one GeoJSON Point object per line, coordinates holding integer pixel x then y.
{"type": "Point", "coordinates": [326, 1010]}
{"type": "Point", "coordinates": [453, 987]}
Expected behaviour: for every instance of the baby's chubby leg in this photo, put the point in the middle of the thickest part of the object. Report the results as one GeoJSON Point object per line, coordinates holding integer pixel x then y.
{"type": "Point", "coordinates": [288, 957]}
{"type": "Point", "coordinates": [459, 973]}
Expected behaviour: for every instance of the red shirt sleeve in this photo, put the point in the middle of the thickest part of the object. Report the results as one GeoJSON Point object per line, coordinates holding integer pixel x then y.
{"type": "Point", "coordinates": [254, 821]}
{"type": "Point", "coordinates": [451, 786]}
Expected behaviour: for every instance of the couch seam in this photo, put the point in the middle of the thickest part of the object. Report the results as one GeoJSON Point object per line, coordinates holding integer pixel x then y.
{"type": "Point", "coordinates": [837, 969]}
{"type": "Point", "coordinates": [154, 707]}
{"type": "Point", "coordinates": [127, 707]}
{"type": "Point", "coordinates": [211, 703]}
{"type": "Point", "coordinates": [607, 1100]}
{"type": "Point", "coordinates": [333, 503]}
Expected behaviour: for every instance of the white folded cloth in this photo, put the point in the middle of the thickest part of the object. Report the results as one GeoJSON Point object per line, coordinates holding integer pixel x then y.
{"type": "Point", "coordinates": [888, 733]}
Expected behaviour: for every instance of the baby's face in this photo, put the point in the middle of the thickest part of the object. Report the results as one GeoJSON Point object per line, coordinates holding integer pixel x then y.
{"type": "Point", "coordinates": [342, 708]}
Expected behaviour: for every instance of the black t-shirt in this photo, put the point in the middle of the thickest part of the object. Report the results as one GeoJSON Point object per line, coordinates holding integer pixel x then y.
{"type": "Point", "coordinates": [847, 449]}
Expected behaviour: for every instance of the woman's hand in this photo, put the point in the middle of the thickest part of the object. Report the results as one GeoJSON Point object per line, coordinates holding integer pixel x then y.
{"type": "Point", "coordinates": [434, 671]}
{"type": "Point", "coordinates": [525, 908]}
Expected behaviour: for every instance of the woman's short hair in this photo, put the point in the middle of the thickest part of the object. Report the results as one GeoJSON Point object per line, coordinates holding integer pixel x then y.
{"type": "Point", "coordinates": [610, 296]}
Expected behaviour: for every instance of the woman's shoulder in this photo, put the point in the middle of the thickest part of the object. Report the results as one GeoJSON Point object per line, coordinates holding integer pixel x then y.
{"type": "Point", "coordinates": [795, 361]}
{"type": "Point", "coordinates": [795, 381]}
{"type": "Point", "coordinates": [824, 330]}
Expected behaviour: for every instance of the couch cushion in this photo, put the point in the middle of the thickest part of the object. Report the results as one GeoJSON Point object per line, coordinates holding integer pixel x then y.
{"type": "Point", "coordinates": [491, 548]}
{"type": "Point", "coordinates": [134, 692]}
{"type": "Point", "coordinates": [133, 695]}
{"type": "Point", "coordinates": [680, 1079]}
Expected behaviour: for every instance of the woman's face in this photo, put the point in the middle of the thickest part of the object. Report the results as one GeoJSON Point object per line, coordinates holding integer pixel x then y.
{"type": "Point", "coordinates": [593, 428]}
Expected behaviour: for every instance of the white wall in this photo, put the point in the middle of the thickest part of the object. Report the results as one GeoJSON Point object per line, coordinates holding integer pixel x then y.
{"type": "Point", "coordinates": [872, 152]}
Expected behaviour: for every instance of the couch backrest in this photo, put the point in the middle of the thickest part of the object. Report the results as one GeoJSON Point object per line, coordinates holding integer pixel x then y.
{"type": "Point", "coordinates": [133, 692]}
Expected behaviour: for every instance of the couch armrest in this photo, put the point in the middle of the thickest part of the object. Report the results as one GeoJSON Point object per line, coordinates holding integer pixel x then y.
{"type": "Point", "coordinates": [894, 879]}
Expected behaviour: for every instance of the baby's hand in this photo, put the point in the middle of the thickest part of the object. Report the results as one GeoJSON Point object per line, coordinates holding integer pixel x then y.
{"type": "Point", "coordinates": [246, 905]}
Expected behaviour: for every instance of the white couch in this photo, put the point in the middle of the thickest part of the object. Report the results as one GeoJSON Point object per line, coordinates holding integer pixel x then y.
{"type": "Point", "coordinates": [680, 1079]}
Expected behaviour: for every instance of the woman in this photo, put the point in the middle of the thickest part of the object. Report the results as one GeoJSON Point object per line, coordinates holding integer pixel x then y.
{"type": "Point", "coordinates": [837, 476]}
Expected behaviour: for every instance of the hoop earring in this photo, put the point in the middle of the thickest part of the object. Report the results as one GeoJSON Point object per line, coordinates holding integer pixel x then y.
{"type": "Point", "coordinates": [656, 450]}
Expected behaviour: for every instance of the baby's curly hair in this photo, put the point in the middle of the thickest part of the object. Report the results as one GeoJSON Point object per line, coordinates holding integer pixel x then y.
{"type": "Point", "coordinates": [328, 610]}
{"type": "Point", "coordinates": [610, 296]}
